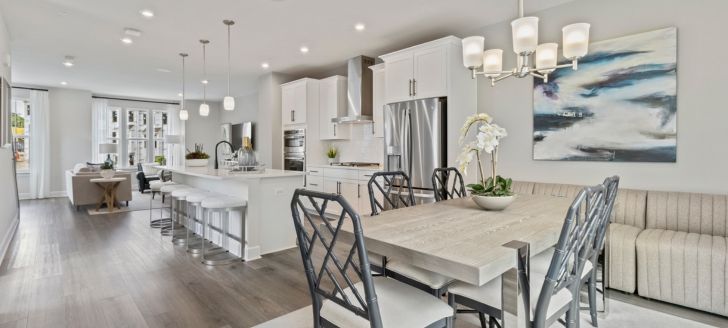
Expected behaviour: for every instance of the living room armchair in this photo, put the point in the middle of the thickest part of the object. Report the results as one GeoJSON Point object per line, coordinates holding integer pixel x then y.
{"type": "Point", "coordinates": [146, 173]}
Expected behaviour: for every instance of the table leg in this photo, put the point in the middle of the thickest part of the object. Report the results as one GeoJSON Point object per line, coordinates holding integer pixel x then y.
{"type": "Point", "coordinates": [515, 289]}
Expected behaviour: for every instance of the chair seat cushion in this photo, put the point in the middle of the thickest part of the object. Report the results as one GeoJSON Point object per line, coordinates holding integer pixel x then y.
{"type": "Point", "coordinates": [199, 196]}
{"type": "Point", "coordinates": [223, 202]}
{"type": "Point", "coordinates": [541, 262]}
{"type": "Point", "coordinates": [182, 193]}
{"type": "Point", "coordinates": [490, 293]}
{"type": "Point", "coordinates": [400, 305]}
{"type": "Point", "coordinates": [429, 278]}
{"type": "Point", "coordinates": [157, 184]}
{"type": "Point", "coordinates": [173, 187]}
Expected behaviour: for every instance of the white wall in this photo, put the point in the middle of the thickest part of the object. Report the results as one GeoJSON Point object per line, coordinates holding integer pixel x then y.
{"type": "Point", "coordinates": [70, 135]}
{"type": "Point", "coordinates": [701, 154]}
{"type": "Point", "coordinates": [361, 147]}
{"type": "Point", "coordinates": [203, 130]}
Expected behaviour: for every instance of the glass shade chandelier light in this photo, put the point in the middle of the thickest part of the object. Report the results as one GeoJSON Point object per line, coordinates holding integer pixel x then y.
{"type": "Point", "coordinates": [525, 43]}
{"type": "Point", "coordinates": [228, 103]}
{"type": "Point", "coordinates": [204, 107]}
{"type": "Point", "coordinates": [183, 114]}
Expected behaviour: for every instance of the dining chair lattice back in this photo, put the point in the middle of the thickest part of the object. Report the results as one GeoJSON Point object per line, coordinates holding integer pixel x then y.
{"type": "Point", "coordinates": [572, 251]}
{"type": "Point", "coordinates": [394, 190]}
{"type": "Point", "coordinates": [447, 183]}
{"type": "Point", "coordinates": [333, 278]}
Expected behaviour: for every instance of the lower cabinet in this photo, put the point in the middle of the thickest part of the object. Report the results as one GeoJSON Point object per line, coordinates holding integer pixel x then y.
{"type": "Point", "coordinates": [348, 183]}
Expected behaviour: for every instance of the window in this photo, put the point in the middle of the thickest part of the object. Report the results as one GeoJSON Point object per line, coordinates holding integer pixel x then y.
{"type": "Point", "coordinates": [138, 132]}
{"type": "Point", "coordinates": [20, 129]}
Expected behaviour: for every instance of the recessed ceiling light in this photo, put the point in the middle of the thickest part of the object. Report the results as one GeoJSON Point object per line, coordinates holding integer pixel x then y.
{"type": "Point", "coordinates": [264, 65]}
{"type": "Point", "coordinates": [163, 70]}
{"type": "Point", "coordinates": [127, 40]}
{"type": "Point", "coordinates": [68, 61]}
{"type": "Point", "coordinates": [205, 81]}
{"type": "Point", "coordinates": [360, 27]}
{"type": "Point", "coordinates": [304, 50]}
{"type": "Point", "coordinates": [64, 82]}
{"type": "Point", "coordinates": [148, 13]}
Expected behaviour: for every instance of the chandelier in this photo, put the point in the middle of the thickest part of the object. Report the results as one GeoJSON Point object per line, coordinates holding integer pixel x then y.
{"type": "Point", "coordinates": [525, 43]}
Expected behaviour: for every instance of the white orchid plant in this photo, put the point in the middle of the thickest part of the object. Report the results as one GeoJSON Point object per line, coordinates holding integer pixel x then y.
{"type": "Point", "coordinates": [487, 141]}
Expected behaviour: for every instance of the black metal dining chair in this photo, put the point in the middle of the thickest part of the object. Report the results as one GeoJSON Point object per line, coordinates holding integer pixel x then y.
{"type": "Point", "coordinates": [447, 183]}
{"type": "Point", "coordinates": [392, 190]}
{"type": "Point", "coordinates": [556, 293]}
{"type": "Point", "coordinates": [339, 276]}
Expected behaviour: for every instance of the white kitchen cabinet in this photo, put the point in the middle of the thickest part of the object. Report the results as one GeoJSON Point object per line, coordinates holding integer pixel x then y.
{"type": "Point", "coordinates": [297, 99]}
{"type": "Point", "coordinates": [430, 73]}
{"type": "Point", "coordinates": [348, 182]}
{"type": "Point", "coordinates": [378, 100]}
{"type": "Point", "coordinates": [399, 77]}
{"type": "Point", "coordinates": [332, 104]}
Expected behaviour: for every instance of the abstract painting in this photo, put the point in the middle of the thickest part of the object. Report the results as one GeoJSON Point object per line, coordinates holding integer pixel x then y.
{"type": "Point", "coordinates": [620, 105]}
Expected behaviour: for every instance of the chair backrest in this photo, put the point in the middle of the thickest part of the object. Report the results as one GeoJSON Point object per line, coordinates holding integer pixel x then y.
{"type": "Point", "coordinates": [333, 276]}
{"type": "Point", "coordinates": [611, 186]}
{"type": "Point", "coordinates": [139, 167]}
{"type": "Point", "coordinates": [390, 190]}
{"type": "Point", "coordinates": [573, 248]}
{"type": "Point", "coordinates": [448, 184]}
{"type": "Point", "coordinates": [165, 175]}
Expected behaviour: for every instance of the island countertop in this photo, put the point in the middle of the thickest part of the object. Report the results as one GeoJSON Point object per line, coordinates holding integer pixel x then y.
{"type": "Point", "coordinates": [224, 174]}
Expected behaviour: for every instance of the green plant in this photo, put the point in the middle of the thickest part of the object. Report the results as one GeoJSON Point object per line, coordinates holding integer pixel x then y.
{"type": "Point", "coordinates": [501, 187]}
{"type": "Point", "coordinates": [197, 154]}
{"type": "Point", "coordinates": [159, 159]}
{"type": "Point", "coordinates": [332, 152]}
{"type": "Point", "coordinates": [107, 166]}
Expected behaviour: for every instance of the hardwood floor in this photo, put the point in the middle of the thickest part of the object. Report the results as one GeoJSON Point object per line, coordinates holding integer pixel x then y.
{"type": "Point", "coordinates": [68, 269]}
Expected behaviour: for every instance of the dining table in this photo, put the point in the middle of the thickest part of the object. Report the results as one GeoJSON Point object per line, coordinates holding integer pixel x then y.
{"type": "Point", "coordinates": [458, 239]}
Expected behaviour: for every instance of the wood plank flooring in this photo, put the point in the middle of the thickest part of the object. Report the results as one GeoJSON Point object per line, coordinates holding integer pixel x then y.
{"type": "Point", "coordinates": [68, 269]}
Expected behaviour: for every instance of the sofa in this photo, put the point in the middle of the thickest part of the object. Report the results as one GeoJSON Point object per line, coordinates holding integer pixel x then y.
{"type": "Point", "coordinates": [667, 246]}
{"type": "Point", "coordinates": [81, 191]}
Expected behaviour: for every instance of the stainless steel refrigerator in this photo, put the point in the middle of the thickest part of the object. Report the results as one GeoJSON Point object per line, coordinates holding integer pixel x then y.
{"type": "Point", "coordinates": [415, 140]}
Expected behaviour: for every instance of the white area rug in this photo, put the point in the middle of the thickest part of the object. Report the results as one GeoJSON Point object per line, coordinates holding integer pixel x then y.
{"type": "Point", "coordinates": [139, 202]}
{"type": "Point", "coordinates": [621, 315]}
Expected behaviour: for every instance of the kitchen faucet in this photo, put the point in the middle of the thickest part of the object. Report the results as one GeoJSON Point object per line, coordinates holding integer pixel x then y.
{"type": "Point", "coordinates": [217, 145]}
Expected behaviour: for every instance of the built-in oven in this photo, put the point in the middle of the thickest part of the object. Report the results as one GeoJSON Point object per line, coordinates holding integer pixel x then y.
{"type": "Point", "coordinates": [294, 150]}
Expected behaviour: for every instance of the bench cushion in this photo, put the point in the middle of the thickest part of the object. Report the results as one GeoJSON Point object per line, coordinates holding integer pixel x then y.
{"type": "Point", "coordinates": [621, 255]}
{"type": "Point", "coordinates": [687, 212]}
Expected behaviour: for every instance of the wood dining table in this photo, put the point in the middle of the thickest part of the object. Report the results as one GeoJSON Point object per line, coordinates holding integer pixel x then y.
{"type": "Point", "coordinates": [456, 238]}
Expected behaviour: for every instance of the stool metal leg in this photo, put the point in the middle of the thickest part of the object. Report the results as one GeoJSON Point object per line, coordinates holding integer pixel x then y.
{"type": "Point", "coordinates": [157, 223]}
{"type": "Point", "coordinates": [178, 236]}
{"type": "Point", "coordinates": [168, 227]}
{"type": "Point", "coordinates": [194, 242]}
{"type": "Point", "coordinates": [218, 255]}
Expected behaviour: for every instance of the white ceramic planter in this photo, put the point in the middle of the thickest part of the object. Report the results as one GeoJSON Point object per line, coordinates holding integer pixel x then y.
{"type": "Point", "coordinates": [196, 162]}
{"type": "Point", "coordinates": [492, 203]}
{"type": "Point", "coordinates": [107, 174]}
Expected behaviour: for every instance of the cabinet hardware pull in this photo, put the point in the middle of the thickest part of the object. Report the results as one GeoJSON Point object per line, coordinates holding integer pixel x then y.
{"type": "Point", "coordinates": [358, 191]}
{"type": "Point", "coordinates": [334, 129]}
{"type": "Point", "coordinates": [312, 171]}
{"type": "Point", "coordinates": [410, 87]}
{"type": "Point", "coordinates": [313, 184]}
{"type": "Point", "coordinates": [293, 115]}
{"type": "Point", "coordinates": [414, 87]}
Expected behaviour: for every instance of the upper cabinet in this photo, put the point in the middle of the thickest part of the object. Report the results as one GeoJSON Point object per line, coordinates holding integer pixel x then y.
{"type": "Point", "coordinates": [298, 98]}
{"type": "Point", "coordinates": [378, 100]}
{"type": "Point", "coordinates": [332, 104]}
{"type": "Point", "coordinates": [418, 72]}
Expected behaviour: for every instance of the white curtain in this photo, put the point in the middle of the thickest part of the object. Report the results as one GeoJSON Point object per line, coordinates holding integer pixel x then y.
{"type": "Point", "coordinates": [99, 133]}
{"type": "Point", "coordinates": [40, 161]}
{"type": "Point", "coordinates": [176, 127]}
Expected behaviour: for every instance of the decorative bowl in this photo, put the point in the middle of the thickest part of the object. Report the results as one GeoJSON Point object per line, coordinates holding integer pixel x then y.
{"type": "Point", "coordinates": [493, 203]}
{"type": "Point", "coordinates": [107, 174]}
{"type": "Point", "coordinates": [196, 162]}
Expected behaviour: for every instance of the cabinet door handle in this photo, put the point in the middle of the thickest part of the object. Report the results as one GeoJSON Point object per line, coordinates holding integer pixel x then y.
{"type": "Point", "coordinates": [312, 171]}
{"type": "Point", "coordinates": [410, 87]}
{"type": "Point", "coordinates": [313, 184]}
{"type": "Point", "coordinates": [414, 87]}
{"type": "Point", "coordinates": [293, 115]}
{"type": "Point", "coordinates": [334, 129]}
{"type": "Point", "coordinates": [358, 191]}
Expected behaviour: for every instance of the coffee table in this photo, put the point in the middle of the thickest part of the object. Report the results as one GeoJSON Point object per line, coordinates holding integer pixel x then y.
{"type": "Point", "coordinates": [109, 185]}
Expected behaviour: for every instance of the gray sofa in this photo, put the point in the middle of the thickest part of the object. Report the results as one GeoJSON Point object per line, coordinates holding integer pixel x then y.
{"type": "Point", "coordinates": [81, 191]}
{"type": "Point", "coordinates": [666, 246]}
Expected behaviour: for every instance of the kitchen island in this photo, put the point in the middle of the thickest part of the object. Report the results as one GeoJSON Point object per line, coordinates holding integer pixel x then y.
{"type": "Point", "coordinates": [268, 222]}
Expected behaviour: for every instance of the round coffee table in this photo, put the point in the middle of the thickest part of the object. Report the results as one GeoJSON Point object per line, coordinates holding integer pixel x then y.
{"type": "Point", "coordinates": [109, 186]}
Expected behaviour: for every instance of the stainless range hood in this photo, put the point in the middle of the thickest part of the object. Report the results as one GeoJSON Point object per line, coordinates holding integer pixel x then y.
{"type": "Point", "coordinates": [359, 92]}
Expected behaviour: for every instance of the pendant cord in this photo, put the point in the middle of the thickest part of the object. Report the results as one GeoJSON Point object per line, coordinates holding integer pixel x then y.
{"type": "Point", "coordinates": [204, 75]}
{"type": "Point", "coordinates": [228, 58]}
{"type": "Point", "coordinates": [183, 83]}
{"type": "Point", "coordinates": [520, 8]}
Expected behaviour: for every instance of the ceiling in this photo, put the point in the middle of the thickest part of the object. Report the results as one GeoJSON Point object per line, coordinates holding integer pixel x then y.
{"type": "Point", "coordinates": [42, 32]}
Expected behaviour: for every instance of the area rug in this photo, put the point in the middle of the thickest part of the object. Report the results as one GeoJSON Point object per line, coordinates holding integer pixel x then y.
{"type": "Point", "coordinates": [139, 202]}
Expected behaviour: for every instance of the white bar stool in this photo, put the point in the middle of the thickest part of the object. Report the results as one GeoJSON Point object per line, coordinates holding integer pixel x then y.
{"type": "Point", "coordinates": [195, 216]}
{"type": "Point", "coordinates": [156, 187]}
{"type": "Point", "coordinates": [224, 206]}
{"type": "Point", "coordinates": [167, 222]}
{"type": "Point", "coordinates": [179, 198]}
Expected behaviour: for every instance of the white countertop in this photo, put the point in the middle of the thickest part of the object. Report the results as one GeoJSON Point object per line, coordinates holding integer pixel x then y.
{"type": "Point", "coordinates": [357, 168]}
{"type": "Point", "coordinates": [224, 174]}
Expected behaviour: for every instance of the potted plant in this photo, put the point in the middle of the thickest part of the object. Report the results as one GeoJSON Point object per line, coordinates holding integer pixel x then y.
{"type": "Point", "coordinates": [197, 157]}
{"type": "Point", "coordinates": [107, 170]}
{"type": "Point", "coordinates": [494, 192]}
{"type": "Point", "coordinates": [331, 154]}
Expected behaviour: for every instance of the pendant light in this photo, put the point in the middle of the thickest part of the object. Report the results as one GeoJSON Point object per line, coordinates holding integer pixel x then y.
{"type": "Point", "coordinates": [183, 114]}
{"type": "Point", "coordinates": [204, 107]}
{"type": "Point", "coordinates": [228, 103]}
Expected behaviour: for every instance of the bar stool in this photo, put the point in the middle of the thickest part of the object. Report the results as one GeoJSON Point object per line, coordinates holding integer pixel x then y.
{"type": "Point", "coordinates": [179, 198]}
{"type": "Point", "coordinates": [156, 186]}
{"type": "Point", "coordinates": [223, 206]}
{"type": "Point", "coordinates": [166, 224]}
{"type": "Point", "coordinates": [195, 216]}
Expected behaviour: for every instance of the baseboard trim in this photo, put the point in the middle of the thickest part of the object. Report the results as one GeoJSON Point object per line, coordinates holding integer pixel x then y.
{"type": "Point", "coordinates": [9, 237]}
{"type": "Point", "coordinates": [24, 196]}
{"type": "Point", "coordinates": [57, 194]}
